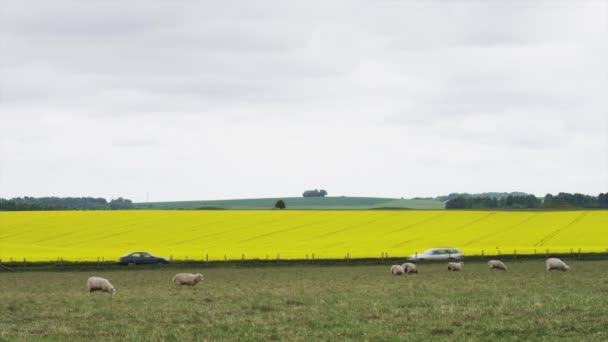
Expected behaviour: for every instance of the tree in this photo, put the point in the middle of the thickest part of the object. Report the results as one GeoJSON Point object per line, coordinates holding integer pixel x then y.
{"type": "Point", "coordinates": [280, 205]}
{"type": "Point", "coordinates": [460, 202]}
{"type": "Point", "coordinates": [314, 193]}
{"type": "Point", "coordinates": [603, 200]}
{"type": "Point", "coordinates": [548, 201]}
{"type": "Point", "coordinates": [121, 203]}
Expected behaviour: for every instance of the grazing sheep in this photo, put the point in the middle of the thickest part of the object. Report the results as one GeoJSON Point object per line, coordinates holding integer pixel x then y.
{"type": "Point", "coordinates": [455, 266]}
{"type": "Point", "coordinates": [187, 279]}
{"type": "Point", "coordinates": [408, 268]}
{"type": "Point", "coordinates": [397, 270]}
{"type": "Point", "coordinates": [498, 265]}
{"type": "Point", "coordinates": [100, 284]}
{"type": "Point", "coordinates": [556, 264]}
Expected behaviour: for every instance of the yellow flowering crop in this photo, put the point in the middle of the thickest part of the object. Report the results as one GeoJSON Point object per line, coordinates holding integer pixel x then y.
{"type": "Point", "coordinates": [86, 235]}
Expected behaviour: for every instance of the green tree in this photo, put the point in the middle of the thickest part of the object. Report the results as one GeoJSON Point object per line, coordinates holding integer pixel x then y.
{"type": "Point", "coordinates": [280, 205]}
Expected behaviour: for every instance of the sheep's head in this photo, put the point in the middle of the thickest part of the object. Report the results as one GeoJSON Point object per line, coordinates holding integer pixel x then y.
{"type": "Point", "coordinates": [567, 267]}
{"type": "Point", "coordinates": [113, 290]}
{"type": "Point", "coordinates": [199, 276]}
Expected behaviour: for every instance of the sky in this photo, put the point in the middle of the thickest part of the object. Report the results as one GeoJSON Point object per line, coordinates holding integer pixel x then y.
{"type": "Point", "coordinates": [187, 100]}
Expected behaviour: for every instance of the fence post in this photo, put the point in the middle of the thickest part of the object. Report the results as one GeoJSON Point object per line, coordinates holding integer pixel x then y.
{"type": "Point", "coordinates": [97, 261]}
{"type": "Point", "coordinates": [207, 260]}
{"type": "Point", "coordinates": [571, 252]}
{"type": "Point", "coordinates": [278, 258]}
{"type": "Point", "coordinates": [499, 252]}
{"type": "Point", "coordinates": [382, 258]}
{"type": "Point", "coordinates": [515, 254]}
{"type": "Point", "coordinates": [225, 258]}
{"type": "Point", "coordinates": [348, 257]}
{"type": "Point", "coordinates": [307, 258]}
{"type": "Point", "coordinates": [482, 253]}
{"type": "Point", "coordinates": [171, 258]}
{"type": "Point", "coordinates": [23, 263]}
{"type": "Point", "coordinates": [313, 258]}
{"type": "Point", "coordinates": [547, 255]}
{"type": "Point", "coordinates": [242, 259]}
{"type": "Point", "coordinates": [579, 253]}
{"type": "Point", "coordinates": [61, 262]}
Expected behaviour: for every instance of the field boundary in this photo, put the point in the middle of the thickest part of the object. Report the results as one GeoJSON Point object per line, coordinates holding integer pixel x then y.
{"type": "Point", "coordinates": [63, 265]}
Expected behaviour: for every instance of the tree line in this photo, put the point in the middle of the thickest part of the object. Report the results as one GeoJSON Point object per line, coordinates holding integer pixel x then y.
{"type": "Point", "coordinates": [64, 203]}
{"type": "Point", "coordinates": [497, 195]}
{"type": "Point", "coordinates": [563, 200]}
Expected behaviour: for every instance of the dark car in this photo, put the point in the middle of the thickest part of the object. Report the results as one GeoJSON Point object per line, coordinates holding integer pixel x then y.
{"type": "Point", "coordinates": [141, 258]}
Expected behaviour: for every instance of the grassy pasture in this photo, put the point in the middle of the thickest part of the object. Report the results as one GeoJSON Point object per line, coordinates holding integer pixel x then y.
{"type": "Point", "coordinates": [306, 303]}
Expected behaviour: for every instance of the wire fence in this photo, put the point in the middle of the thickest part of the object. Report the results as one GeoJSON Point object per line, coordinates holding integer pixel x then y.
{"type": "Point", "coordinates": [12, 264]}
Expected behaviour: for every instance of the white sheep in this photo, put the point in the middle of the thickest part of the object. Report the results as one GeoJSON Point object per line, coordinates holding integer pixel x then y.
{"type": "Point", "coordinates": [397, 270]}
{"type": "Point", "coordinates": [408, 268]}
{"type": "Point", "coordinates": [455, 266]}
{"type": "Point", "coordinates": [556, 264]}
{"type": "Point", "coordinates": [187, 279]}
{"type": "Point", "coordinates": [498, 265]}
{"type": "Point", "coordinates": [100, 284]}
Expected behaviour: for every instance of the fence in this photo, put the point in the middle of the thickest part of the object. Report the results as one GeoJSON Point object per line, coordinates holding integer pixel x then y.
{"type": "Point", "coordinates": [311, 258]}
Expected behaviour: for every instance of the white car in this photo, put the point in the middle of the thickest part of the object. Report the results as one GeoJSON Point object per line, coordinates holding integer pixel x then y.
{"type": "Point", "coordinates": [442, 253]}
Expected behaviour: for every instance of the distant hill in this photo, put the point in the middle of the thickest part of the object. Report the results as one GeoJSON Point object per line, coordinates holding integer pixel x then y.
{"type": "Point", "coordinates": [300, 203]}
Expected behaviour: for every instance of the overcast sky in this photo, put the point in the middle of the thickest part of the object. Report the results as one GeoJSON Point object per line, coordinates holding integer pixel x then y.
{"type": "Point", "coordinates": [185, 100]}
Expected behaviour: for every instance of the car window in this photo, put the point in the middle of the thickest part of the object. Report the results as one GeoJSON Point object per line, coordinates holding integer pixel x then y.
{"type": "Point", "coordinates": [136, 255]}
{"type": "Point", "coordinates": [146, 255]}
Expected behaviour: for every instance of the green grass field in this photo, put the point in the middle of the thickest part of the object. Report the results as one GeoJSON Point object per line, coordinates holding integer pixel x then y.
{"type": "Point", "coordinates": [312, 303]}
{"type": "Point", "coordinates": [300, 203]}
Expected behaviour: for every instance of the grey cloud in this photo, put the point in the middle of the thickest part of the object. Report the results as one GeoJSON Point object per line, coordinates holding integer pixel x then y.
{"type": "Point", "coordinates": [356, 85]}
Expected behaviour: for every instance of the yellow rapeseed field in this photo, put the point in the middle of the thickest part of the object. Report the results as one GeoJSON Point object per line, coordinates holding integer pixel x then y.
{"type": "Point", "coordinates": [86, 235]}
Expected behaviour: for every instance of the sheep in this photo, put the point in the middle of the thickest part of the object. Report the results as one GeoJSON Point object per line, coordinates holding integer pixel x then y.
{"type": "Point", "coordinates": [498, 265]}
{"type": "Point", "coordinates": [397, 270]}
{"type": "Point", "coordinates": [455, 266]}
{"type": "Point", "coordinates": [100, 284]}
{"type": "Point", "coordinates": [187, 279]}
{"type": "Point", "coordinates": [556, 264]}
{"type": "Point", "coordinates": [408, 268]}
